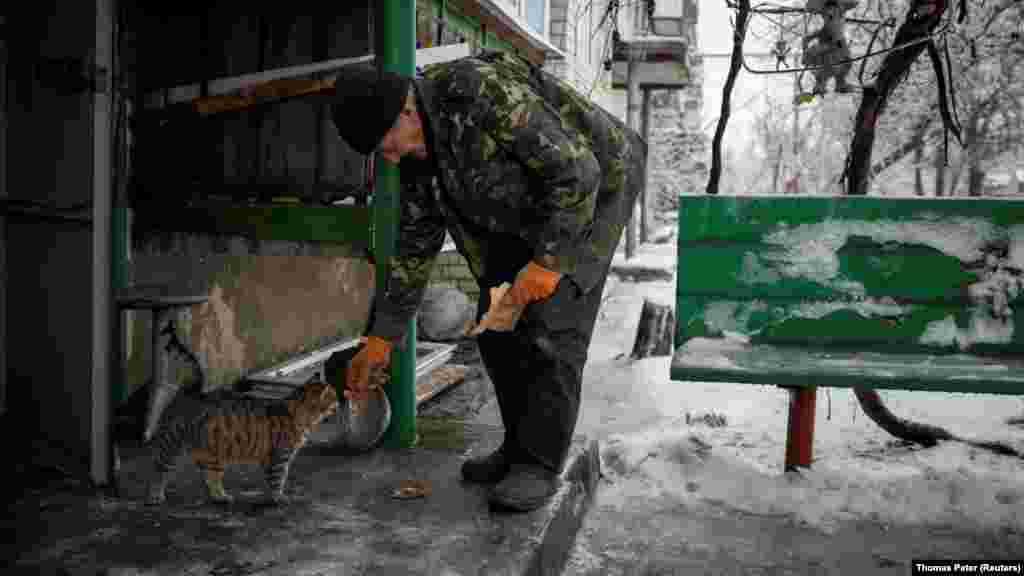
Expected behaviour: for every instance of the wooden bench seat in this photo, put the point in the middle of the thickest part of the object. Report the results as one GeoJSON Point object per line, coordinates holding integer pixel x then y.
{"type": "Point", "coordinates": [712, 360]}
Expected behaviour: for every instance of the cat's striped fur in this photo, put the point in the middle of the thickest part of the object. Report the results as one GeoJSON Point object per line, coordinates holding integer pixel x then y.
{"type": "Point", "coordinates": [226, 430]}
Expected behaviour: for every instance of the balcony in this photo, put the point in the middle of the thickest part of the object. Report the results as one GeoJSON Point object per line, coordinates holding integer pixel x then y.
{"type": "Point", "coordinates": [656, 42]}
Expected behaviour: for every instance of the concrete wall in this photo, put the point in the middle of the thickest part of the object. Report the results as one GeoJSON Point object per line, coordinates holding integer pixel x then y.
{"type": "Point", "coordinates": [679, 148]}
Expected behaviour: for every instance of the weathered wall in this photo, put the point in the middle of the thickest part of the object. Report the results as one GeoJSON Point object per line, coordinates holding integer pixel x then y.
{"type": "Point", "coordinates": [678, 150]}
{"type": "Point", "coordinates": [266, 302]}
{"type": "Point", "coordinates": [678, 147]}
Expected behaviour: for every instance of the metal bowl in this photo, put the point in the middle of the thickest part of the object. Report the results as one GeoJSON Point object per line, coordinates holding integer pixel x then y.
{"type": "Point", "coordinates": [362, 429]}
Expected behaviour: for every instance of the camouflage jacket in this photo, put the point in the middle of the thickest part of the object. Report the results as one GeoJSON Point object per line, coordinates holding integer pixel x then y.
{"type": "Point", "coordinates": [511, 150]}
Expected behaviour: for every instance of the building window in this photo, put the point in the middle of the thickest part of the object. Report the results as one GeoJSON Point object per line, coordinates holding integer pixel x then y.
{"type": "Point", "coordinates": [536, 14]}
{"type": "Point", "coordinates": [667, 20]}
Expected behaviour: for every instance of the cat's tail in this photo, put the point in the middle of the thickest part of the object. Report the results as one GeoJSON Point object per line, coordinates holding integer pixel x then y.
{"type": "Point", "coordinates": [197, 384]}
{"type": "Point", "coordinates": [166, 393]}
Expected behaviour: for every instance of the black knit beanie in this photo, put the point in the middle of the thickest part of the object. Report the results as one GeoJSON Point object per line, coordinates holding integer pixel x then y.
{"type": "Point", "coordinates": [366, 104]}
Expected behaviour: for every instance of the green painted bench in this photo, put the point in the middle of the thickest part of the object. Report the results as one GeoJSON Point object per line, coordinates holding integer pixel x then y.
{"type": "Point", "coordinates": [801, 292]}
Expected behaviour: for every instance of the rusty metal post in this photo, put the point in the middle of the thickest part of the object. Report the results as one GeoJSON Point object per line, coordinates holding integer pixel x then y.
{"type": "Point", "coordinates": [800, 431]}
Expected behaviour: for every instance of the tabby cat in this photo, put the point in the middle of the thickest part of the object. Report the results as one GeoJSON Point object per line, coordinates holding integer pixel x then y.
{"type": "Point", "coordinates": [228, 430]}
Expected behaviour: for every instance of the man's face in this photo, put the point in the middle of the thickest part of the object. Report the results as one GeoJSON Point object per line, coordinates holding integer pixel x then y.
{"type": "Point", "coordinates": [405, 137]}
{"type": "Point", "coordinates": [391, 147]}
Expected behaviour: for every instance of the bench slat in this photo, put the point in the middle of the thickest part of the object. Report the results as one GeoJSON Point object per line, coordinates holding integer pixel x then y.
{"type": "Point", "coordinates": [860, 268]}
{"type": "Point", "coordinates": [864, 325]}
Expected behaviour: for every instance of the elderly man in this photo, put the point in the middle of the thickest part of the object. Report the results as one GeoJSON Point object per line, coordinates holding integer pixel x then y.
{"type": "Point", "coordinates": [535, 184]}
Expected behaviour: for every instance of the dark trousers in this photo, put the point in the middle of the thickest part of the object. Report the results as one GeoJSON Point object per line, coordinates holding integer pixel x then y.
{"type": "Point", "coordinates": [537, 369]}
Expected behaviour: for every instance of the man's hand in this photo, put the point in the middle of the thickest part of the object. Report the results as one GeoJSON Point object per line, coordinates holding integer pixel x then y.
{"type": "Point", "coordinates": [368, 369]}
{"type": "Point", "coordinates": [533, 283]}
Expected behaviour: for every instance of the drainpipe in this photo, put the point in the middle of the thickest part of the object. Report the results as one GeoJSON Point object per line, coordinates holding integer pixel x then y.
{"type": "Point", "coordinates": [396, 53]}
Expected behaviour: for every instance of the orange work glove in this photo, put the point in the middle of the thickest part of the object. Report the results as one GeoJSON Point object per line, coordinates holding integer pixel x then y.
{"type": "Point", "coordinates": [368, 369]}
{"type": "Point", "coordinates": [534, 282]}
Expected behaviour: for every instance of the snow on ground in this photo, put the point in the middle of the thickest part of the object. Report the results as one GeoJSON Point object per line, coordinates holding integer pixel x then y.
{"type": "Point", "coordinates": [707, 444]}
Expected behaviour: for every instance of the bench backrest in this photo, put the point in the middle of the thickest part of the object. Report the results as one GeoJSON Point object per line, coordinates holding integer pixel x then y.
{"type": "Point", "coordinates": [891, 274]}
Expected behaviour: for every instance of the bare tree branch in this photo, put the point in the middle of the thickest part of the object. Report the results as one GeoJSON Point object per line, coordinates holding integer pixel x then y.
{"type": "Point", "coordinates": [739, 34]}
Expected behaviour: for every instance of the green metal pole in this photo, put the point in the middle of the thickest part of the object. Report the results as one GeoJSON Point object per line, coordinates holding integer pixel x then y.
{"type": "Point", "coordinates": [396, 53]}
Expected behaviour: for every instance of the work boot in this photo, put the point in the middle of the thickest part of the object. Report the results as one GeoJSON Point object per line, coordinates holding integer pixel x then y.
{"type": "Point", "coordinates": [486, 469]}
{"type": "Point", "coordinates": [525, 488]}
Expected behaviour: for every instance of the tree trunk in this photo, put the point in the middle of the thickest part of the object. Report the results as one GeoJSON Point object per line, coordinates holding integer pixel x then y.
{"type": "Point", "coordinates": [975, 181]}
{"type": "Point", "coordinates": [940, 173]}
{"type": "Point", "coordinates": [923, 434]}
{"type": "Point", "coordinates": [956, 175]}
{"type": "Point", "coordinates": [654, 334]}
{"type": "Point", "coordinates": [776, 170]}
{"type": "Point", "coordinates": [918, 184]}
{"type": "Point", "coordinates": [975, 175]}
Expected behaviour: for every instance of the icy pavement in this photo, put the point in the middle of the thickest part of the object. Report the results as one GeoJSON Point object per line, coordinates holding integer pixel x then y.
{"type": "Point", "coordinates": [694, 473]}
